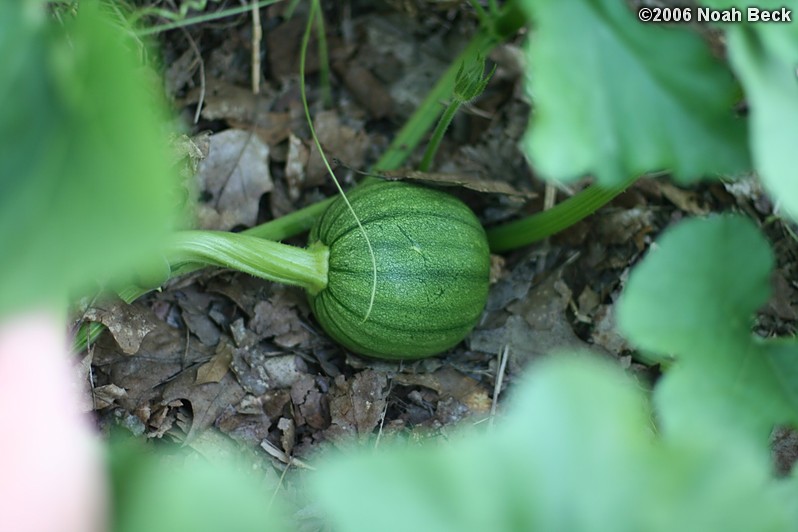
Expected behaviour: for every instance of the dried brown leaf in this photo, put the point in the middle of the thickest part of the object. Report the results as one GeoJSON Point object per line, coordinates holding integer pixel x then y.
{"type": "Point", "coordinates": [283, 45]}
{"type": "Point", "coordinates": [605, 333]}
{"type": "Point", "coordinates": [311, 405]}
{"type": "Point", "coordinates": [449, 382]}
{"type": "Point", "coordinates": [107, 395]}
{"type": "Point", "coordinates": [296, 161]}
{"type": "Point", "coordinates": [128, 324]}
{"type": "Point", "coordinates": [357, 404]}
{"type": "Point", "coordinates": [244, 110]}
{"type": "Point", "coordinates": [288, 428]}
{"type": "Point", "coordinates": [783, 294]}
{"type": "Point", "coordinates": [279, 318]}
{"type": "Point", "coordinates": [194, 306]}
{"type": "Point", "coordinates": [339, 141]}
{"type": "Point", "coordinates": [232, 179]}
{"type": "Point", "coordinates": [249, 428]}
{"type": "Point", "coordinates": [476, 183]}
{"type": "Point", "coordinates": [622, 226]}
{"type": "Point", "coordinates": [588, 303]}
{"type": "Point", "coordinates": [686, 200]}
{"type": "Point", "coordinates": [369, 91]}
{"type": "Point", "coordinates": [259, 371]}
{"type": "Point", "coordinates": [243, 290]}
{"type": "Point", "coordinates": [215, 369]}
{"type": "Point", "coordinates": [162, 356]}
{"type": "Point", "coordinates": [180, 72]}
{"type": "Point", "coordinates": [538, 325]}
{"type": "Point", "coordinates": [207, 400]}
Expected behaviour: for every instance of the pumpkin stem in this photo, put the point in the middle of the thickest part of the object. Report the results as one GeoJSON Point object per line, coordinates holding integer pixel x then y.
{"type": "Point", "coordinates": [267, 259]}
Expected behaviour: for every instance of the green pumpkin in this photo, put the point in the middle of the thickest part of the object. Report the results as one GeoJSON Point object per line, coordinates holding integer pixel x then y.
{"type": "Point", "coordinates": [433, 265]}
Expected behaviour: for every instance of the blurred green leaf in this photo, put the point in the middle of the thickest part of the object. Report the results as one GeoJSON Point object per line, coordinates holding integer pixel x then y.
{"type": "Point", "coordinates": [160, 492]}
{"type": "Point", "coordinates": [577, 452]}
{"type": "Point", "coordinates": [765, 58]}
{"type": "Point", "coordinates": [86, 190]}
{"type": "Point", "coordinates": [693, 298]}
{"type": "Point", "coordinates": [615, 97]}
{"type": "Point", "coordinates": [699, 285]}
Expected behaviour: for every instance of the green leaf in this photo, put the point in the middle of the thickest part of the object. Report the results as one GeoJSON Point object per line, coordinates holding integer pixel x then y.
{"type": "Point", "coordinates": [765, 57]}
{"type": "Point", "coordinates": [693, 298]}
{"type": "Point", "coordinates": [159, 492]}
{"type": "Point", "coordinates": [782, 354]}
{"type": "Point", "coordinates": [86, 191]}
{"type": "Point", "coordinates": [699, 285]}
{"type": "Point", "coordinates": [616, 97]}
{"type": "Point", "coordinates": [576, 452]}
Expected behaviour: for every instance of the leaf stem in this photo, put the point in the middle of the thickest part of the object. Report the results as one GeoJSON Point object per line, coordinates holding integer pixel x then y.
{"type": "Point", "coordinates": [290, 224]}
{"type": "Point", "coordinates": [324, 57]}
{"type": "Point", "coordinates": [534, 228]}
{"type": "Point", "coordinates": [437, 135]}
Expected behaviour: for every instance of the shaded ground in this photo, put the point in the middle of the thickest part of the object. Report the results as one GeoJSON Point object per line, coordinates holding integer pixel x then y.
{"type": "Point", "coordinates": [224, 350]}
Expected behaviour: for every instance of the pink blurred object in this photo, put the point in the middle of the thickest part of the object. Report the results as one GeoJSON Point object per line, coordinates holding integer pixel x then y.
{"type": "Point", "coordinates": [53, 476]}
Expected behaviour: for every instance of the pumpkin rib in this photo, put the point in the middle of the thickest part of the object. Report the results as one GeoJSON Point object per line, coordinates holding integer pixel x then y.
{"type": "Point", "coordinates": [424, 303]}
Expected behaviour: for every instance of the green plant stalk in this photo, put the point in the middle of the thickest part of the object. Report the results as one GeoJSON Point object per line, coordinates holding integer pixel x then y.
{"type": "Point", "coordinates": [534, 228]}
{"type": "Point", "coordinates": [281, 263]}
{"type": "Point", "coordinates": [437, 135]}
{"type": "Point", "coordinates": [87, 333]}
{"type": "Point", "coordinates": [470, 81]}
{"type": "Point", "coordinates": [179, 20]}
{"type": "Point", "coordinates": [480, 11]}
{"type": "Point", "coordinates": [324, 57]}
{"type": "Point", "coordinates": [291, 224]}
{"type": "Point", "coordinates": [412, 133]}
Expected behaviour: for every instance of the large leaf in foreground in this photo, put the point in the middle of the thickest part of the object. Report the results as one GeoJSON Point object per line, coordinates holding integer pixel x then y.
{"type": "Point", "coordinates": [765, 57]}
{"type": "Point", "coordinates": [85, 186]}
{"type": "Point", "coordinates": [616, 98]}
{"type": "Point", "coordinates": [693, 298]}
{"type": "Point", "coordinates": [578, 452]}
{"type": "Point", "coordinates": [162, 491]}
